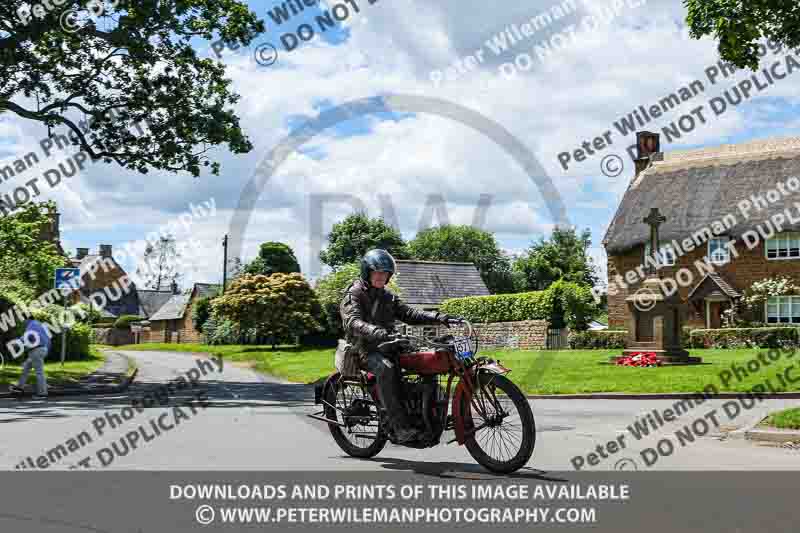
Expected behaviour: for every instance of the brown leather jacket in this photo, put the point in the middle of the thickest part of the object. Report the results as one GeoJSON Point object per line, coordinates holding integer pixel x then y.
{"type": "Point", "coordinates": [364, 309]}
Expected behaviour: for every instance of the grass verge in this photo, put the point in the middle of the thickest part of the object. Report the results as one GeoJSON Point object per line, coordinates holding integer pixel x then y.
{"type": "Point", "coordinates": [55, 373]}
{"type": "Point", "coordinates": [541, 372]}
{"type": "Point", "coordinates": [786, 419]}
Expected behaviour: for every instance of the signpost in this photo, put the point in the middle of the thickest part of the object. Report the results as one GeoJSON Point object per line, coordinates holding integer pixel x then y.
{"type": "Point", "coordinates": [66, 280]}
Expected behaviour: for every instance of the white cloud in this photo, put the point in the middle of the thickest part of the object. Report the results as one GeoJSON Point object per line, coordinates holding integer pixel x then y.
{"type": "Point", "coordinates": [644, 55]}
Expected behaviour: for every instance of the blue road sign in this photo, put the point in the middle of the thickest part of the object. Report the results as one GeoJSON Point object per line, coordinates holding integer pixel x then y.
{"type": "Point", "coordinates": [68, 278]}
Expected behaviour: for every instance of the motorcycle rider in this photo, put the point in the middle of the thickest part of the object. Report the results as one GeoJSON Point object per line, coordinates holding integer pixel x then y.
{"type": "Point", "coordinates": [368, 313]}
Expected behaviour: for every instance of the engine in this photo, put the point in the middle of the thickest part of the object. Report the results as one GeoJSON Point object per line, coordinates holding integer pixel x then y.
{"type": "Point", "coordinates": [425, 401]}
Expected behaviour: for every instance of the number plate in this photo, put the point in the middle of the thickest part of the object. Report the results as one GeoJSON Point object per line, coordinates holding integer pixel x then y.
{"type": "Point", "coordinates": [464, 349]}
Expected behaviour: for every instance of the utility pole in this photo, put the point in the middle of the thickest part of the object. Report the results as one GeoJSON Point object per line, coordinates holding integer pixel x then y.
{"type": "Point", "coordinates": [224, 262]}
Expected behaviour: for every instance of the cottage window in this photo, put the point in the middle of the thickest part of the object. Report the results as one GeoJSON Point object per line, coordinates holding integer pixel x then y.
{"type": "Point", "coordinates": [718, 252]}
{"type": "Point", "coordinates": [783, 246]}
{"type": "Point", "coordinates": [783, 309]}
{"type": "Point", "coordinates": [429, 332]}
{"type": "Point", "coordinates": [664, 257]}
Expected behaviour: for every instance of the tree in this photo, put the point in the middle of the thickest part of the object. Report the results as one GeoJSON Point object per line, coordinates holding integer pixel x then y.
{"type": "Point", "coordinates": [739, 25]}
{"type": "Point", "coordinates": [201, 311]}
{"type": "Point", "coordinates": [273, 257]}
{"type": "Point", "coordinates": [134, 65]}
{"type": "Point", "coordinates": [281, 306]}
{"type": "Point", "coordinates": [330, 291]}
{"type": "Point", "coordinates": [465, 244]}
{"type": "Point", "coordinates": [161, 263]}
{"type": "Point", "coordinates": [27, 260]}
{"type": "Point", "coordinates": [563, 256]}
{"type": "Point", "coordinates": [354, 236]}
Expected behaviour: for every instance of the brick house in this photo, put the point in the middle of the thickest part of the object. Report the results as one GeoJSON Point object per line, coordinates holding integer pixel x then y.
{"type": "Point", "coordinates": [172, 323]}
{"type": "Point", "coordinates": [732, 218]}
{"type": "Point", "coordinates": [426, 284]}
{"type": "Point", "coordinates": [100, 273]}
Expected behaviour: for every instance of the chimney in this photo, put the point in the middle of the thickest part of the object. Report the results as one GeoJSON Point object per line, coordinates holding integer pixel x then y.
{"type": "Point", "coordinates": [82, 252]}
{"type": "Point", "coordinates": [50, 232]}
{"type": "Point", "coordinates": [105, 250]}
{"type": "Point", "coordinates": [174, 287]}
{"type": "Point", "coordinates": [648, 148]}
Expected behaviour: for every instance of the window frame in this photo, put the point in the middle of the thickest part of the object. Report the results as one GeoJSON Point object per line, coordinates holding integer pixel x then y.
{"type": "Point", "coordinates": [784, 235]}
{"type": "Point", "coordinates": [659, 255]}
{"type": "Point", "coordinates": [727, 240]}
{"type": "Point", "coordinates": [794, 308]}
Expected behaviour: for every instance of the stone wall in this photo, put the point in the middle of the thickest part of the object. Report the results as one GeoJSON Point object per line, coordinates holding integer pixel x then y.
{"type": "Point", "coordinates": [113, 336]}
{"type": "Point", "coordinates": [525, 334]}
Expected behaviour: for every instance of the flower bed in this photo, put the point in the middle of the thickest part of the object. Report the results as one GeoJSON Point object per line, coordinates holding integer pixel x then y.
{"type": "Point", "coordinates": [640, 359]}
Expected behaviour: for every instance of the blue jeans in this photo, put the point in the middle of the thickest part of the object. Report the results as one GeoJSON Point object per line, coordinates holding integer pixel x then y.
{"type": "Point", "coordinates": [35, 359]}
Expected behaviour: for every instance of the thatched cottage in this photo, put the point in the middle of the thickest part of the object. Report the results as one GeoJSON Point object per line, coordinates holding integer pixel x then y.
{"type": "Point", "coordinates": [732, 219]}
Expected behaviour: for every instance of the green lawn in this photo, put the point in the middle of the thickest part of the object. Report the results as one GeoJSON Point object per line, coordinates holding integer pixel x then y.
{"type": "Point", "coordinates": [536, 372]}
{"type": "Point", "coordinates": [788, 419]}
{"type": "Point", "coordinates": [299, 364]}
{"type": "Point", "coordinates": [56, 374]}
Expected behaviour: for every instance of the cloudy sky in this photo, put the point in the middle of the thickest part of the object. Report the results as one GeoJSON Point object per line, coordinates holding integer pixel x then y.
{"type": "Point", "coordinates": [601, 63]}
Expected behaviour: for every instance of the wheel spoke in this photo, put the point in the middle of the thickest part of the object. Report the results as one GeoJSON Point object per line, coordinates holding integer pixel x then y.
{"type": "Point", "coordinates": [507, 439]}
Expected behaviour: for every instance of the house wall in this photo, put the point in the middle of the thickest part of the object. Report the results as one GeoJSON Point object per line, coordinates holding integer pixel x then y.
{"type": "Point", "coordinates": [741, 272]}
{"type": "Point", "coordinates": [177, 331]}
{"type": "Point", "coordinates": [156, 333]}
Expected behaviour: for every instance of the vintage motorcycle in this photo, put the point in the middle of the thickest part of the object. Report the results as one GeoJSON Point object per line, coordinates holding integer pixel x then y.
{"type": "Point", "coordinates": [489, 414]}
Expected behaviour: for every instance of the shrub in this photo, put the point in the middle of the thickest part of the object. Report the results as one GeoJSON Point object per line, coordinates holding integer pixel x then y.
{"type": "Point", "coordinates": [201, 311]}
{"type": "Point", "coordinates": [278, 306]}
{"type": "Point", "coordinates": [563, 303]}
{"type": "Point", "coordinates": [597, 339]}
{"type": "Point", "coordinates": [79, 337]}
{"type": "Point", "coordinates": [772, 337]}
{"type": "Point", "coordinates": [124, 321]}
{"type": "Point", "coordinates": [221, 331]}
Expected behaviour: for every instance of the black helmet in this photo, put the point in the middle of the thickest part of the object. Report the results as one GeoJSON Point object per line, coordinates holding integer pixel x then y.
{"type": "Point", "coordinates": [378, 260]}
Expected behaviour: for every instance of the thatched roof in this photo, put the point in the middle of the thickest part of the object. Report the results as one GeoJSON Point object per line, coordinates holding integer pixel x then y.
{"type": "Point", "coordinates": [694, 188]}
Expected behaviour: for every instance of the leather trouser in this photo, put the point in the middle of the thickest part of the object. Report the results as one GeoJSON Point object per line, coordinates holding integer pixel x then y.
{"type": "Point", "coordinates": [387, 375]}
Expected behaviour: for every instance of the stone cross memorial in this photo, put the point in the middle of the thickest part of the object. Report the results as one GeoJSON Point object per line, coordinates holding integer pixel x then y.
{"type": "Point", "coordinates": [656, 319]}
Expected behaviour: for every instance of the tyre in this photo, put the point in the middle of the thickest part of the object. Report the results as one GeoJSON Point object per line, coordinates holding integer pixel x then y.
{"type": "Point", "coordinates": [350, 404]}
{"type": "Point", "coordinates": [506, 433]}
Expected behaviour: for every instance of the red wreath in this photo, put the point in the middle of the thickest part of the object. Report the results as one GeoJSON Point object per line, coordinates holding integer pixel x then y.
{"type": "Point", "coordinates": [641, 359]}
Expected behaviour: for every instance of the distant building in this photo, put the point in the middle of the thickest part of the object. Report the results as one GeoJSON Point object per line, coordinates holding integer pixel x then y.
{"type": "Point", "coordinates": [426, 284]}
{"type": "Point", "coordinates": [172, 323]}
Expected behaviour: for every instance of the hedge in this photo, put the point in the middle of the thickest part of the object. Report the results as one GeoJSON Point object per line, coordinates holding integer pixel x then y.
{"type": "Point", "coordinates": [565, 302]}
{"type": "Point", "coordinates": [124, 321]}
{"type": "Point", "coordinates": [770, 337]}
{"type": "Point", "coordinates": [79, 337]}
{"type": "Point", "coordinates": [597, 339]}
{"type": "Point", "coordinates": [604, 339]}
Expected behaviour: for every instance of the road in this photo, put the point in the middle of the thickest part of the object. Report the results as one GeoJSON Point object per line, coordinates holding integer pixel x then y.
{"type": "Point", "coordinates": [253, 422]}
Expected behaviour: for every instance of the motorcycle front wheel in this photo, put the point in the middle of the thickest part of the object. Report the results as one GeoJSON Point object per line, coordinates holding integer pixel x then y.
{"type": "Point", "coordinates": [500, 430]}
{"type": "Point", "coordinates": [349, 404]}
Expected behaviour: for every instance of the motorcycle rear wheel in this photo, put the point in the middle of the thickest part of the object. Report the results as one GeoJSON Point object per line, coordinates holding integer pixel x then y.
{"type": "Point", "coordinates": [358, 440]}
{"type": "Point", "coordinates": [505, 442]}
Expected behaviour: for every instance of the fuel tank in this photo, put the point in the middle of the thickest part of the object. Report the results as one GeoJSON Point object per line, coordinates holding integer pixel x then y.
{"type": "Point", "coordinates": [424, 363]}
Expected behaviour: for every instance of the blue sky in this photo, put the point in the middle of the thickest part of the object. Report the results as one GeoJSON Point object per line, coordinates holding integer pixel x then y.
{"type": "Point", "coordinates": [394, 47]}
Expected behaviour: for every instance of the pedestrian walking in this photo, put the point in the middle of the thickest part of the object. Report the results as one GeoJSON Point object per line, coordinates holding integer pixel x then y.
{"type": "Point", "coordinates": [37, 343]}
